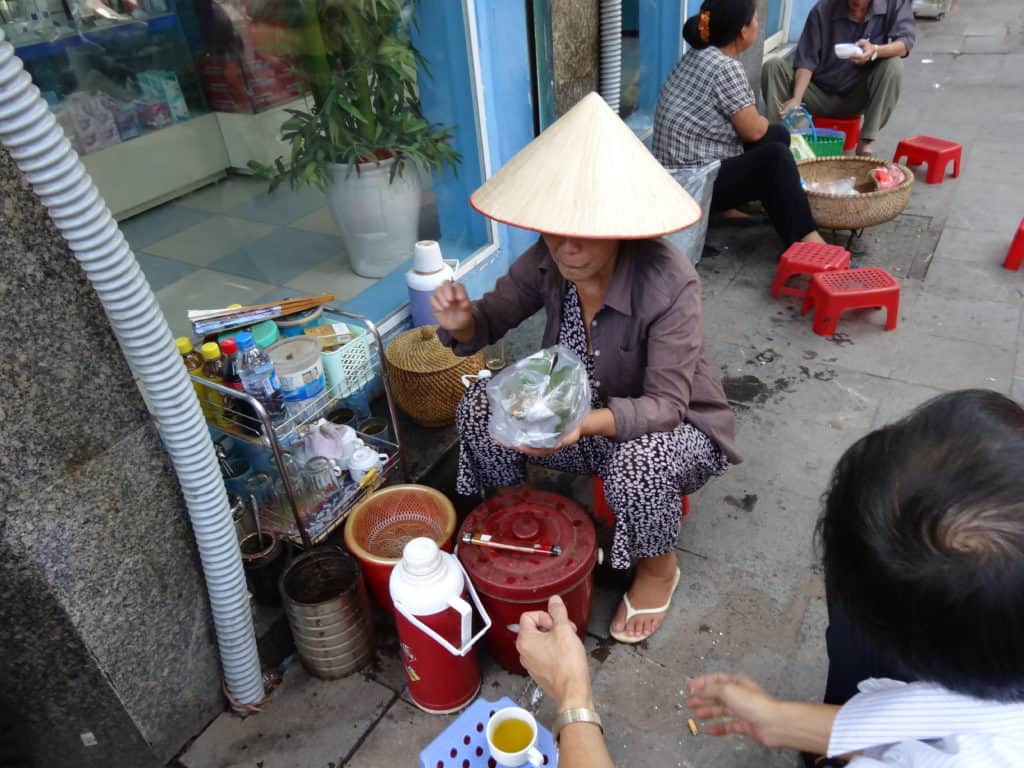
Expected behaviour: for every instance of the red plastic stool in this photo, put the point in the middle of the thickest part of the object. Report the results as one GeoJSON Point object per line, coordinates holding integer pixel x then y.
{"type": "Point", "coordinates": [848, 125]}
{"type": "Point", "coordinates": [832, 293]}
{"type": "Point", "coordinates": [603, 513]}
{"type": "Point", "coordinates": [937, 153]}
{"type": "Point", "coordinates": [807, 259]}
{"type": "Point", "coordinates": [1016, 255]}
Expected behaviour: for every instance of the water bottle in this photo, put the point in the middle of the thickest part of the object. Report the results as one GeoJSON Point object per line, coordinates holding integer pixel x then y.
{"type": "Point", "coordinates": [259, 378]}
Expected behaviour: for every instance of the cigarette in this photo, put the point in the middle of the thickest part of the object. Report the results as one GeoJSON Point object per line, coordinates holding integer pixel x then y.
{"type": "Point", "coordinates": [693, 726]}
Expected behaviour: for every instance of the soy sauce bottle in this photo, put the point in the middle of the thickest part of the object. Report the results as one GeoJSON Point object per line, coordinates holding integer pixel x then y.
{"type": "Point", "coordinates": [237, 410]}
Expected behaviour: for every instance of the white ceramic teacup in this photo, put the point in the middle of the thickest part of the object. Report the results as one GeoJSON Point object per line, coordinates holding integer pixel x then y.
{"type": "Point", "coordinates": [528, 754]}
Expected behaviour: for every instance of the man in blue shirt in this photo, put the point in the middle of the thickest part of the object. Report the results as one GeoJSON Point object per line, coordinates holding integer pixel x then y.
{"type": "Point", "coordinates": [868, 83]}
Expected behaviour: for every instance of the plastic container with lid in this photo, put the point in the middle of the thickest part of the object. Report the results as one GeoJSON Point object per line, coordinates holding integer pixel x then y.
{"type": "Point", "coordinates": [510, 583]}
{"type": "Point", "coordinates": [296, 325]}
{"type": "Point", "coordinates": [297, 362]}
{"type": "Point", "coordinates": [265, 333]}
{"type": "Point", "coordinates": [426, 377]}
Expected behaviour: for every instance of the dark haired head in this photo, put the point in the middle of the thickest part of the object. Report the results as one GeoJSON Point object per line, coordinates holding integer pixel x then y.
{"type": "Point", "coordinates": [923, 541]}
{"type": "Point", "coordinates": [719, 22]}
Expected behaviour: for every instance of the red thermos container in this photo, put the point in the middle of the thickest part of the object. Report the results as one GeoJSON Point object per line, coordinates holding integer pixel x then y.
{"type": "Point", "coordinates": [435, 627]}
{"type": "Point", "coordinates": [510, 583]}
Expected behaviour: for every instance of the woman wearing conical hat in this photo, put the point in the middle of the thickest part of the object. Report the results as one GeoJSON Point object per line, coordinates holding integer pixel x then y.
{"type": "Point", "coordinates": [628, 304]}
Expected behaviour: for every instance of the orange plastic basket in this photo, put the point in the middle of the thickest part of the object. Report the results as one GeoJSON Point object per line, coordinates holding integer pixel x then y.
{"type": "Point", "coordinates": [379, 527]}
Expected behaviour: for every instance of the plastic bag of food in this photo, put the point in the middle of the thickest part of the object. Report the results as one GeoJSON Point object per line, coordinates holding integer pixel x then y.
{"type": "Point", "coordinates": [888, 176]}
{"type": "Point", "coordinates": [847, 186]}
{"type": "Point", "coordinates": [540, 399]}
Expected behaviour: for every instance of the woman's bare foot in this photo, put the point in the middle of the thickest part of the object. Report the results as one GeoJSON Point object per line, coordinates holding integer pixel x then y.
{"type": "Point", "coordinates": [812, 237]}
{"type": "Point", "coordinates": [652, 588]}
{"type": "Point", "coordinates": [734, 213]}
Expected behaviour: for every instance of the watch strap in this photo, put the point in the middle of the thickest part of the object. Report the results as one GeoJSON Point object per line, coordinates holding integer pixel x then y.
{"type": "Point", "coordinates": [874, 53]}
{"type": "Point", "coordinates": [575, 715]}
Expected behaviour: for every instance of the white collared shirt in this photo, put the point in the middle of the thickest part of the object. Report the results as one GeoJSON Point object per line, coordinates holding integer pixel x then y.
{"type": "Point", "coordinates": [923, 725]}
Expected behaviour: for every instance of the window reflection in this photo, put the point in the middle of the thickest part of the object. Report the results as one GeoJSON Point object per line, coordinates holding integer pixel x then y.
{"type": "Point", "coordinates": [176, 104]}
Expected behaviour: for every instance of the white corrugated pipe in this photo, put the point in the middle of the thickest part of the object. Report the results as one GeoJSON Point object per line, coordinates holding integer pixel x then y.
{"type": "Point", "coordinates": [37, 144]}
{"type": "Point", "coordinates": [611, 52]}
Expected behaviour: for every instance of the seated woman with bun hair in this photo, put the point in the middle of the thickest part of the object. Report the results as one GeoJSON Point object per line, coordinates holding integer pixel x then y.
{"type": "Point", "coordinates": [707, 111]}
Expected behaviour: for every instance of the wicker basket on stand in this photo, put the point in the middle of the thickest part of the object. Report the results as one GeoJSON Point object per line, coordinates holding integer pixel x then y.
{"type": "Point", "coordinates": [426, 377]}
{"type": "Point", "coordinates": [854, 212]}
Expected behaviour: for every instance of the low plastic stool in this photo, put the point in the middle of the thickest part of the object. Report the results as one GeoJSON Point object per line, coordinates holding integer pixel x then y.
{"type": "Point", "coordinates": [848, 125]}
{"type": "Point", "coordinates": [463, 744]}
{"type": "Point", "coordinates": [807, 259]}
{"type": "Point", "coordinates": [937, 153]}
{"type": "Point", "coordinates": [832, 293]}
{"type": "Point", "coordinates": [1015, 257]}
{"type": "Point", "coordinates": [603, 513]}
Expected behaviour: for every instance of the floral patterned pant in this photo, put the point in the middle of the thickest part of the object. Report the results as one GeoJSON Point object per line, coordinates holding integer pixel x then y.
{"type": "Point", "coordinates": [643, 478]}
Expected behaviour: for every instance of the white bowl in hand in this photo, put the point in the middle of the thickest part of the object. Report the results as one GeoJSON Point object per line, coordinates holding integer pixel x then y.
{"type": "Point", "coordinates": [848, 50]}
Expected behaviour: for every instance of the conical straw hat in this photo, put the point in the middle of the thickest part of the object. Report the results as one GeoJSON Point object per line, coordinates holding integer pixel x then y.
{"type": "Point", "coordinates": [587, 175]}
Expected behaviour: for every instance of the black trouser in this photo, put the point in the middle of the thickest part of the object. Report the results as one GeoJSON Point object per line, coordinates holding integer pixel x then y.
{"type": "Point", "coordinates": [767, 172]}
{"type": "Point", "coordinates": [851, 658]}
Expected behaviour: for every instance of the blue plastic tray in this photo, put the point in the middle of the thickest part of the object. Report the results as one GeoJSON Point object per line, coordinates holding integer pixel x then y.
{"type": "Point", "coordinates": [463, 744]}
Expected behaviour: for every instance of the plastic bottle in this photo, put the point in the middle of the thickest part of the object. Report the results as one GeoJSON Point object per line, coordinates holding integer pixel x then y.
{"type": "Point", "coordinates": [193, 361]}
{"type": "Point", "coordinates": [237, 410]}
{"type": "Point", "coordinates": [259, 377]}
{"type": "Point", "coordinates": [193, 364]}
{"type": "Point", "coordinates": [428, 272]}
{"type": "Point", "coordinates": [213, 369]}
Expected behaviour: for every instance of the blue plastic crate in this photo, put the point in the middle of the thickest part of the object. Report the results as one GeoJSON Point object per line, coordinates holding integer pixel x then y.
{"type": "Point", "coordinates": [463, 744]}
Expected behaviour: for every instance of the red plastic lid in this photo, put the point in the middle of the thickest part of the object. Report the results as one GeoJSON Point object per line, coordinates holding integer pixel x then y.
{"type": "Point", "coordinates": [229, 346]}
{"type": "Point", "coordinates": [529, 517]}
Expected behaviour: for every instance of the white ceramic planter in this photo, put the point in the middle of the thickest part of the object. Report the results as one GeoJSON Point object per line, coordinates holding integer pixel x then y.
{"type": "Point", "coordinates": [378, 220]}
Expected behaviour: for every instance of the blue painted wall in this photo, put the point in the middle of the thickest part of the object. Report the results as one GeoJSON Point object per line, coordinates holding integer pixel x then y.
{"type": "Point", "coordinates": [508, 103]}
{"type": "Point", "coordinates": [661, 28]}
{"type": "Point", "coordinates": [446, 96]}
{"type": "Point", "coordinates": [798, 16]}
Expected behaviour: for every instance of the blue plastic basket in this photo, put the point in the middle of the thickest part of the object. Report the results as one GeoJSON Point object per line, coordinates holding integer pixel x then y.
{"type": "Point", "coordinates": [463, 744]}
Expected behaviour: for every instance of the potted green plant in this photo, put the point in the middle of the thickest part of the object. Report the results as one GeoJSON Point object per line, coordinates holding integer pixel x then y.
{"type": "Point", "coordinates": [364, 138]}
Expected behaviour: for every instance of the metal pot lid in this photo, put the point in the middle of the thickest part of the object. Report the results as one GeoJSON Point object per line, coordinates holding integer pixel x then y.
{"type": "Point", "coordinates": [529, 517]}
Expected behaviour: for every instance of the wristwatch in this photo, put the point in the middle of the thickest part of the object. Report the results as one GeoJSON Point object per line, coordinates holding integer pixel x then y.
{"type": "Point", "coordinates": [874, 52]}
{"type": "Point", "coordinates": [575, 715]}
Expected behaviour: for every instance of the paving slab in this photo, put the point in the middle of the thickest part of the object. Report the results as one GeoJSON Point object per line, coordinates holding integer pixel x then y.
{"type": "Point", "coordinates": [965, 319]}
{"type": "Point", "coordinates": [982, 281]}
{"type": "Point", "coordinates": [984, 248]}
{"type": "Point", "coordinates": [307, 723]}
{"type": "Point", "coordinates": [953, 364]}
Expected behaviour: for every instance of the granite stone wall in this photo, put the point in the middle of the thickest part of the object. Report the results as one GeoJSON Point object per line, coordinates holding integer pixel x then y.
{"type": "Point", "coordinates": [576, 50]}
{"type": "Point", "coordinates": [106, 643]}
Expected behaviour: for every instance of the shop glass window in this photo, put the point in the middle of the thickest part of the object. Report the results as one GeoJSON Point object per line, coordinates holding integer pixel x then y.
{"type": "Point", "coordinates": [173, 103]}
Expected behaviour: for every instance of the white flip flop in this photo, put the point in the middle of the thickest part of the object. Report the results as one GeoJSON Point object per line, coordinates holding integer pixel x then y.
{"type": "Point", "coordinates": [622, 637]}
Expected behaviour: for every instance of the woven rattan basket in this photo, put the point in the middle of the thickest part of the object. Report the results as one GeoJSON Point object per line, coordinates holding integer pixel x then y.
{"type": "Point", "coordinates": [426, 378]}
{"type": "Point", "coordinates": [854, 212]}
